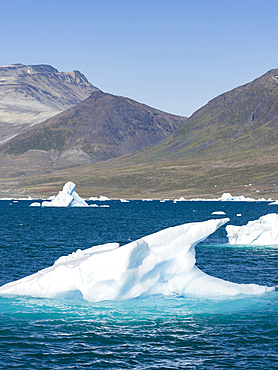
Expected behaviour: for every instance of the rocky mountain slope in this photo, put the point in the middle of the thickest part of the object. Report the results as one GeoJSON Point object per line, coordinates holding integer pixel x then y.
{"type": "Point", "coordinates": [101, 127]}
{"type": "Point", "coordinates": [30, 94]}
{"type": "Point", "coordinates": [241, 122]}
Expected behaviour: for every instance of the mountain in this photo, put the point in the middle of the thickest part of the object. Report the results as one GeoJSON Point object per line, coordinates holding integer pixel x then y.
{"type": "Point", "coordinates": [241, 122]}
{"type": "Point", "coordinates": [30, 94]}
{"type": "Point", "coordinates": [101, 127]}
{"type": "Point", "coordinates": [228, 145]}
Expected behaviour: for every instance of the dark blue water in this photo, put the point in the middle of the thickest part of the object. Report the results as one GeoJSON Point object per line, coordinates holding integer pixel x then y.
{"type": "Point", "coordinates": [154, 333]}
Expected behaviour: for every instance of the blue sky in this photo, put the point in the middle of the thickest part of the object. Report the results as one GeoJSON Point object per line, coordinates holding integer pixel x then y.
{"type": "Point", "coordinates": [173, 55]}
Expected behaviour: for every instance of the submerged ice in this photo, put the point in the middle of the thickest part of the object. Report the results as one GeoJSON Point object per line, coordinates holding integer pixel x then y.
{"type": "Point", "coordinates": [263, 231]}
{"type": "Point", "coordinates": [66, 198]}
{"type": "Point", "coordinates": [162, 263]}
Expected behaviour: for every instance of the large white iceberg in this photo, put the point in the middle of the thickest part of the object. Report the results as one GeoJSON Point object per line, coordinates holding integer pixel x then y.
{"type": "Point", "coordinates": [162, 263]}
{"type": "Point", "coordinates": [66, 198]}
{"type": "Point", "coordinates": [263, 231]}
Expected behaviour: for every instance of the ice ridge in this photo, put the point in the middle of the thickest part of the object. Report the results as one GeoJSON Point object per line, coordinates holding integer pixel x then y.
{"type": "Point", "coordinates": [162, 263]}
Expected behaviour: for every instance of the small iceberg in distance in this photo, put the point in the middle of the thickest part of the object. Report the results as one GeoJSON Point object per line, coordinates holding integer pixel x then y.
{"type": "Point", "coordinates": [274, 203]}
{"type": "Point", "coordinates": [218, 213]}
{"type": "Point", "coordinates": [66, 198]}
{"type": "Point", "coordinates": [263, 231]}
{"type": "Point", "coordinates": [35, 204]}
{"type": "Point", "coordinates": [162, 263]}
{"type": "Point", "coordinates": [102, 198]}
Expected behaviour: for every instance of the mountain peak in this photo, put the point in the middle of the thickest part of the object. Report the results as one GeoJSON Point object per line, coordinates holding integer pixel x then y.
{"type": "Point", "coordinates": [241, 122]}
{"type": "Point", "coordinates": [273, 71]}
{"type": "Point", "coordinates": [75, 77]}
{"type": "Point", "coordinates": [101, 127]}
{"type": "Point", "coordinates": [270, 79]}
{"type": "Point", "coordinates": [274, 74]}
{"type": "Point", "coordinates": [22, 74]}
{"type": "Point", "coordinates": [29, 94]}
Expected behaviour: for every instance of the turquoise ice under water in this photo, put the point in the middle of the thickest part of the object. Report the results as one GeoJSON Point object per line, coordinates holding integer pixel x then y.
{"type": "Point", "coordinates": [153, 333]}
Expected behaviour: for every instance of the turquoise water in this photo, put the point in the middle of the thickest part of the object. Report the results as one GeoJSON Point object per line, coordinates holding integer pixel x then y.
{"type": "Point", "coordinates": [153, 333]}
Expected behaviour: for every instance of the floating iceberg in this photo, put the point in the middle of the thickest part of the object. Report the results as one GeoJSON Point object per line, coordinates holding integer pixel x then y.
{"type": "Point", "coordinates": [263, 231]}
{"type": "Point", "coordinates": [102, 198]}
{"type": "Point", "coordinates": [162, 263]}
{"type": "Point", "coordinates": [35, 204]}
{"type": "Point", "coordinates": [275, 203]}
{"type": "Point", "coordinates": [66, 198]}
{"type": "Point", "coordinates": [218, 213]}
{"type": "Point", "coordinates": [181, 199]}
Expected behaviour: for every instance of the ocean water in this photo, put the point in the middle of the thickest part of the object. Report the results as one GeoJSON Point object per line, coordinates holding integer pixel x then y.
{"type": "Point", "coordinates": [151, 333]}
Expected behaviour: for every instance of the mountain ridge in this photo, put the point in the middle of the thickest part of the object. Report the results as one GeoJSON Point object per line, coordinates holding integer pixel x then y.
{"type": "Point", "coordinates": [101, 127]}
{"type": "Point", "coordinates": [234, 123]}
{"type": "Point", "coordinates": [30, 94]}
